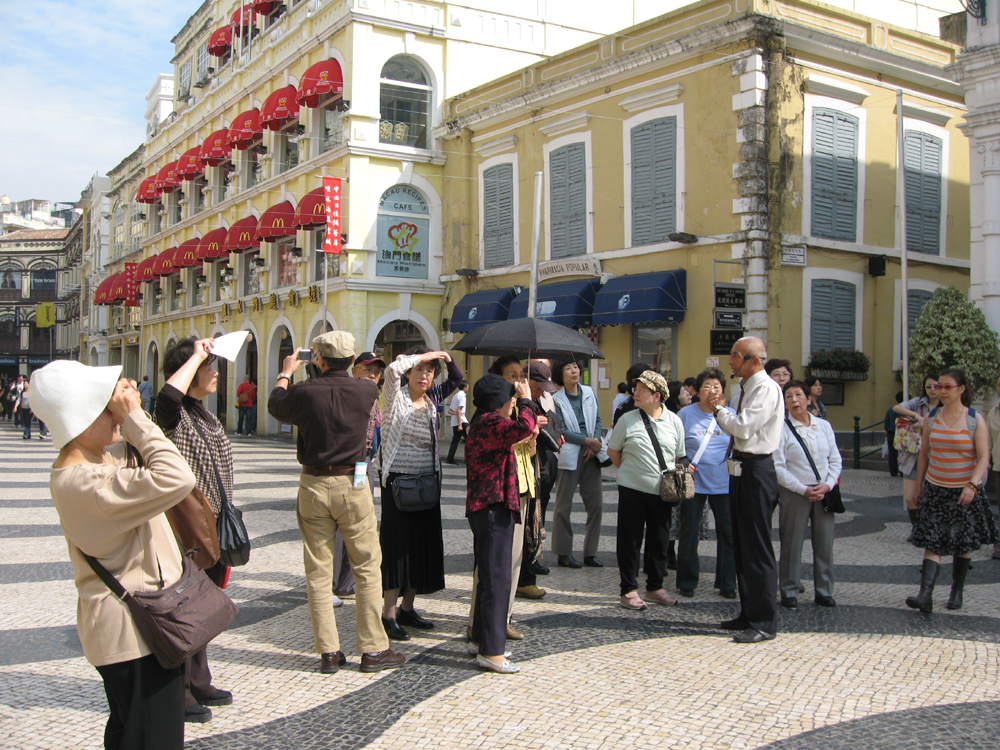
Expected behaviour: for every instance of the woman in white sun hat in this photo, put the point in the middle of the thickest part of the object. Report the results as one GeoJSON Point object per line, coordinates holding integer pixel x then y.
{"type": "Point", "coordinates": [114, 513]}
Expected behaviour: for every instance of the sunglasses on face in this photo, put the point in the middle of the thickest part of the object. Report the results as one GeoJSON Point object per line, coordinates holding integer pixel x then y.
{"type": "Point", "coordinates": [942, 387]}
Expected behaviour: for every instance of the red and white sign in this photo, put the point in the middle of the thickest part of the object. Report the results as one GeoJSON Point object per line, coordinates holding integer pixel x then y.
{"type": "Point", "coordinates": [131, 287]}
{"type": "Point", "coordinates": [332, 196]}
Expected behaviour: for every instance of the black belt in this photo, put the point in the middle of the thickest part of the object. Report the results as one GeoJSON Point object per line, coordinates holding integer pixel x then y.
{"type": "Point", "coordinates": [327, 471]}
{"type": "Point", "coordinates": [741, 456]}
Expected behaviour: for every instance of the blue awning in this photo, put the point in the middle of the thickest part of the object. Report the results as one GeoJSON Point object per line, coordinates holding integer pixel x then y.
{"type": "Point", "coordinates": [642, 298]}
{"type": "Point", "coordinates": [479, 308]}
{"type": "Point", "coordinates": [570, 303]}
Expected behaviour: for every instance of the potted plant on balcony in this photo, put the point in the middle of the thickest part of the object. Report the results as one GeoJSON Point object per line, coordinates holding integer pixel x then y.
{"type": "Point", "coordinates": [839, 364]}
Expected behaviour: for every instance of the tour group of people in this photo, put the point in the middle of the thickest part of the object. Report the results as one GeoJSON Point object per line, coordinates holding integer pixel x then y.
{"type": "Point", "coordinates": [531, 430]}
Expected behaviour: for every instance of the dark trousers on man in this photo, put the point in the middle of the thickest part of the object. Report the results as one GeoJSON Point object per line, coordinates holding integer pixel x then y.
{"type": "Point", "coordinates": [637, 511]}
{"type": "Point", "coordinates": [147, 705]}
{"type": "Point", "coordinates": [244, 410]}
{"type": "Point", "coordinates": [752, 499]}
{"type": "Point", "coordinates": [892, 454]}
{"type": "Point", "coordinates": [492, 544]}
{"type": "Point", "coordinates": [457, 436]}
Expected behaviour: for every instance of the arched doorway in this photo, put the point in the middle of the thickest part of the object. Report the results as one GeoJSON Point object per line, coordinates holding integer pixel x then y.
{"type": "Point", "coordinates": [152, 370]}
{"type": "Point", "coordinates": [396, 337]}
{"type": "Point", "coordinates": [282, 344]}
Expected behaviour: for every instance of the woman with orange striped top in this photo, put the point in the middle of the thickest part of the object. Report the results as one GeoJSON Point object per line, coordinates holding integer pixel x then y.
{"type": "Point", "coordinates": [953, 515]}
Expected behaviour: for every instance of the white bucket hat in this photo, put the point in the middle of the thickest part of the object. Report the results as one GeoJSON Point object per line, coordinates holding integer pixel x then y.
{"type": "Point", "coordinates": [68, 396]}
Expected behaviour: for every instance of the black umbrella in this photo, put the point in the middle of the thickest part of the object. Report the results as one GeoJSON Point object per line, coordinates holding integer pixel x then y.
{"type": "Point", "coordinates": [527, 337]}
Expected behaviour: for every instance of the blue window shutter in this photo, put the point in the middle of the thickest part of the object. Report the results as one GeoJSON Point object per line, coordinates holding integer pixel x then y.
{"type": "Point", "coordinates": [832, 315]}
{"type": "Point", "coordinates": [568, 201]}
{"type": "Point", "coordinates": [498, 216]}
{"type": "Point", "coordinates": [654, 180]}
{"type": "Point", "coordinates": [915, 301]}
{"type": "Point", "coordinates": [922, 162]}
{"type": "Point", "coordinates": [834, 175]}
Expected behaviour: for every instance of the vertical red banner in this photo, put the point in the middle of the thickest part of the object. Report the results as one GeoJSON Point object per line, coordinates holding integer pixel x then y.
{"type": "Point", "coordinates": [332, 194]}
{"type": "Point", "coordinates": [131, 287]}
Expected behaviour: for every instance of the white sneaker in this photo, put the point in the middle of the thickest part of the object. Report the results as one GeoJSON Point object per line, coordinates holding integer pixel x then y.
{"type": "Point", "coordinates": [337, 601]}
{"type": "Point", "coordinates": [507, 667]}
{"type": "Point", "coordinates": [632, 600]}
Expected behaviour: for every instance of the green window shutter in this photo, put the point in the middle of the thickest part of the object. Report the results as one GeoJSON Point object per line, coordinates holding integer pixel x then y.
{"type": "Point", "coordinates": [568, 201]}
{"type": "Point", "coordinates": [498, 216]}
{"type": "Point", "coordinates": [834, 175]}
{"type": "Point", "coordinates": [654, 181]}
{"type": "Point", "coordinates": [832, 315]}
{"type": "Point", "coordinates": [922, 162]}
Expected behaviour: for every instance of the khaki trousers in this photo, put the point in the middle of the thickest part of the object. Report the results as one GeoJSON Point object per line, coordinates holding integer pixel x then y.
{"type": "Point", "coordinates": [324, 506]}
{"type": "Point", "coordinates": [516, 557]}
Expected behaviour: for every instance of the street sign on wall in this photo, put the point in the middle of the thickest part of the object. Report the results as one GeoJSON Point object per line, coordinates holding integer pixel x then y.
{"type": "Point", "coordinates": [721, 342]}
{"type": "Point", "coordinates": [731, 296]}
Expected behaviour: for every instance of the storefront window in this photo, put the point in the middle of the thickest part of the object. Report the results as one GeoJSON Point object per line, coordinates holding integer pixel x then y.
{"type": "Point", "coordinates": [288, 264]}
{"type": "Point", "coordinates": [327, 264]}
{"type": "Point", "coordinates": [655, 345]}
{"type": "Point", "coordinates": [251, 274]}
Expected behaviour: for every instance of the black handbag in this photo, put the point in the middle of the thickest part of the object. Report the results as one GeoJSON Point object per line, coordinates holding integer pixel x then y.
{"type": "Point", "coordinates": [676, 484]}
{"type": "Point", "coordinates": [832, 501]}
{"type": "Point", "coordinates": [412, 493]}
{"type": "Point", "coordinates": [234, 541]}
{"type": "Point", "coordinates": [178, 620]}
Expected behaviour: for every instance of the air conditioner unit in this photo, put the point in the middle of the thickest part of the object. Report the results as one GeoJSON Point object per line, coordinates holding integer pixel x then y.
{"type": "Point", "coordinates": [200, 83]}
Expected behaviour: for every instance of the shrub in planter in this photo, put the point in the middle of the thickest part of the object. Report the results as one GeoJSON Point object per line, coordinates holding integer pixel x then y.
{"type": "Point", "coordinates": [842, 360]}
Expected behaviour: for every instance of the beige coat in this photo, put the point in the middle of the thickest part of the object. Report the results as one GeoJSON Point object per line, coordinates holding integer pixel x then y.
{"type": "Point", "coordinates": [993, 420]}
{"type": "Point", "coordinates": [115, 513]}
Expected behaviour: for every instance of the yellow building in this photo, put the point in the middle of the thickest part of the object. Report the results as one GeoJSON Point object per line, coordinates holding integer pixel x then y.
{"type": "Point", "coordinates": [720, 169]}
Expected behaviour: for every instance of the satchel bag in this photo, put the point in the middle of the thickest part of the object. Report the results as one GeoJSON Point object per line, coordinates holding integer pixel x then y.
{"type": "Point", "coordinates": [832, 501]}
{"type": "Point", "coordinates": [676, 484]}
{"type": "Point", "coordinates": [415, 492]}
{"type": "Point", "coordinates": [234, 541]}
{"type": "Point", "coordinates": [243, 399]}
{"type": "Point", "coordinates": [178, 620]}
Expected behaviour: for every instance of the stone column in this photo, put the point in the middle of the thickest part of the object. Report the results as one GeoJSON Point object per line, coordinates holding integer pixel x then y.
{"type": "Point", "coordinates": [989, 153]}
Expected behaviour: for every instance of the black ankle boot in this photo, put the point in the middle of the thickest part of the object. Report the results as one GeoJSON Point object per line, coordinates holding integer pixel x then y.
{"type": "Point", "coordinates": [922, 601]}
{"type": "Point", "coordinates": [959, 569]}
{"type": "Point", "coordinates": [913, 524]}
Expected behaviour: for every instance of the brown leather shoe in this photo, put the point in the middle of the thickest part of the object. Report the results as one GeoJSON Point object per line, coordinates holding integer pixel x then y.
{"type": "Point", "coordinates": [514, 635]}
{"type": "Point", "coordinates": [331, 662]}
{"type": "Point", "coordinates": [376, 662]}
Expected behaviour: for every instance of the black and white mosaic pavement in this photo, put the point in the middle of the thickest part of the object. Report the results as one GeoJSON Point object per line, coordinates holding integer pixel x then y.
{"type": "Point", "coordinates": [870, 673]}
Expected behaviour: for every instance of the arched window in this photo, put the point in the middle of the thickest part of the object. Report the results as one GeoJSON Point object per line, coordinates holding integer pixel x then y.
{"type": "Point", "coordinates": [404, 104]}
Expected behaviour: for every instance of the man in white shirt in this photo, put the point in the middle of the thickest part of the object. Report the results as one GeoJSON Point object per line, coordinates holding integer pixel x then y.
{"type": "Point", "coordinates": [459, 419]}
{"type": "Point", "coordinates": [753, 489]}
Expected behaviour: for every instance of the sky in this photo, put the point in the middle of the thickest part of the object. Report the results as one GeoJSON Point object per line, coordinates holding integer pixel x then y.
{"type": "Point", "coordinates": [73, 83]}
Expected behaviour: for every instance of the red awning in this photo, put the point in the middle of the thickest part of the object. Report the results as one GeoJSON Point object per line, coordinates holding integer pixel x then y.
{"type": "Point", "coordinates": [265, 6]}
{"type": "Point", "coordinates": [241, 236]}
{"type": "Point", "coordinates": [147, 192]}
{"type": "Point", "coordinates": [244, 129]}
{"type": "Point", "coordinates": [311, 211]}
{"type": "Point", "coordinates": [322, 78]}
{"type": "Point", "coordinates": [279, 108]}
{"type": "Point", "coordinates": [164, 265]}
{"type": "Point", "coordinates": [190, 165]}
{"type": "Point", "coordinates": [220, 41]}
{"type": "Point", "coordinates": [211, 246]}
{"type": "Point", "coordinates": [187, 253]}
{"type": "Point", "coordinates": [216, 148]}
{"type": "Point", "coordinates": [249, 14]}
{"type": "Point", "coordinates": [103, 289]}
{"type": "Point", "coordinates": [276, 222]}
{"type": "Point", "coordinates": [119, 290]}
{"type": "Point", "coordinates": [167, 179]}
{"type": "Point", "coordinates": [144, 271]}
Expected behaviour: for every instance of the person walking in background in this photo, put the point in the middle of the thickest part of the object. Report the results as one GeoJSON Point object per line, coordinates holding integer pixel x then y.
{"type": "Point", "coordinates": [994, 422]}
{"type": "Point", "coordinates": [459, 419]}
{"type": "Point", "coordinates": [800, 496]}
{"type": "Point", "coordinates": [890, 437]}
{"type": "Point", "coordinates": [816, 407]}
{"type": "Point", "coordinates": [115, 513]}
{"type": "Point", "coordinates": [755, 429]}
{"type": "Point", "coordinates": [916, 410]}
{"type": "Point", "coordinates": [145, 389]}
{"type": "Point", "coordinates": [620, 398]}
{"type": "Point", "coordinates": [953, 515]}
{"type": "Point", "coordinates": [246, 400]}
{"type": "Point", "coordinates": [637, 443]}
{"type": "Point", "coordinates": [15, 392]}
{"type": "Point", "coordinates": [711, 485]}
{"type": "Point", "coordinates": [201, 439]}
{"type": "Point", "coordinates": [578, 466]}
{"type": "Point", "coordinates": [333, 412]}
{"type": "Point", "coordinates": [24, 408]}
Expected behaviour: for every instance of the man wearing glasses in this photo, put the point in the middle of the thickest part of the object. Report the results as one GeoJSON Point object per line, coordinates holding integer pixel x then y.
{"type": "Point", "coordinates": [753, 489]}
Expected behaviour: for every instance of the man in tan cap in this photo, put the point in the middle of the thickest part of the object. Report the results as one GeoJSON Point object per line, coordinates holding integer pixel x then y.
{"type": "Point", "coordinates": [332, 412]}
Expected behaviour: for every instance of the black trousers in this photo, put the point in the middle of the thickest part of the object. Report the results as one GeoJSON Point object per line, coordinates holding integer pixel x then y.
{"type": "Point", "coordinates": [492, 540]}
{"type": "Point", "coordinates": [893, 454]}
{"type": "Point", "coordinates": [197, 675]}
{"type": "Point", "coordinates": [147, 705]}
{"type": "Point", "coordinates": [688, 564]}
{"type": "Point", "coordinates": [638, 511]}
{"type": "Point", "coordinates": [752, 499]}
{"type": "Point", "coordinates": [457, 436]}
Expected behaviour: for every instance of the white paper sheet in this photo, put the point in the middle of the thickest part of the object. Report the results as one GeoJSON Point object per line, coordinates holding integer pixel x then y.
{"type": "Point", "coordinates": [229, 345]}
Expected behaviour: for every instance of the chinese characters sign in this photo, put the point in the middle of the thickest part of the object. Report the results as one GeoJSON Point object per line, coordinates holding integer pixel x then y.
{"type": "Point", "coordinates": [332, 194]}
{"type": "Point", "coordinates": [403, 239]}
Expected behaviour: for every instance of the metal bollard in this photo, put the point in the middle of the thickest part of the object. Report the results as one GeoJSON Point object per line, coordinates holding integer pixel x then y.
{"type": "Point", "coordinates": [857, 442]}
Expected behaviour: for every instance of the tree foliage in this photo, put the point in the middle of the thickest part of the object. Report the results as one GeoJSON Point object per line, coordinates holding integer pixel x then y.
{"type": "Point", "coordinates": [952, 332]}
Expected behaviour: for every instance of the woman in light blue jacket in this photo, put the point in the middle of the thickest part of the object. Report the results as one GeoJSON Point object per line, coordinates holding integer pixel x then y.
{"type": "Point", "coordinates": [578, 466]}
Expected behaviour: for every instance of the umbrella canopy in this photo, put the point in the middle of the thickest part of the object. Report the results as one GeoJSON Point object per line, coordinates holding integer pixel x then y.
{"type": "Point", "coordinates": [527, 337]}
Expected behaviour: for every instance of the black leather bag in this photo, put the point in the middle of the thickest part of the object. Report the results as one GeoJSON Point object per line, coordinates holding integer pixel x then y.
{"type": "Point", "coordinates": [415, 492]}
{"type": "Point", "coordinates": [832, 501]}
{"type": "Point", "coordinates": [178, 620]}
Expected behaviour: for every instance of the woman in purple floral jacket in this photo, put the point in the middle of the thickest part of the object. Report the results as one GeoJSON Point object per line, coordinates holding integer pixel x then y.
{"type": "Point", "coordinates": [493, 508]}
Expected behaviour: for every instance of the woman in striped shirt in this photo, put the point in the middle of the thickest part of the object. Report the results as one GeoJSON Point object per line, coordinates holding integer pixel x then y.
{"type": "Point", "coordinates": [953, 515]}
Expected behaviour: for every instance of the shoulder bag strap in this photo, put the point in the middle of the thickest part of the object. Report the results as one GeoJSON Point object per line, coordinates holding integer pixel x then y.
{"type": "Point", "coordinates": [804, 450]}
{"type": "Point", "coordinates": [704, 442]}
{"type": "Point", "coordinates": [652, 437]}
{"type": "Point", "coordinates": [218, 477]}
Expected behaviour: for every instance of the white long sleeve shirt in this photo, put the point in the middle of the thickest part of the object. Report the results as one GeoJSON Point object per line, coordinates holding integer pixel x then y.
{"type": "Point", "coordinates": [790, 462]}
{"type": "Point", "coordinates": [758, 426]}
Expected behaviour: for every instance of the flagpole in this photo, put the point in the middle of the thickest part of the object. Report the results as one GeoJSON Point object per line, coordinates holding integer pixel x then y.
{"type": "Point", "coordinates": [901, 238]}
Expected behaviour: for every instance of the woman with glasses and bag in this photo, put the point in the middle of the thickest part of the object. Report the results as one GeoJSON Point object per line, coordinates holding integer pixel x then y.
{"type": "Point", "coordinates": [808, 466]}
{"type": "Point", "coordinates": [201, 439]}
{"type": "Point", "coordinates": [409, 465]}
{"type": "Point", "coordinates": [953, 514]}
{"type": "Point", "coordinates": [907, 441]}
{"type": "Point", "coordinates": [644, 443]}
{"type": "Point", "coordinates": [115, 513]}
